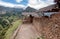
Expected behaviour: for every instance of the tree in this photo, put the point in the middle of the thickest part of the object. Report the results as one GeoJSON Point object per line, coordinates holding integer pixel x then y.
{"type": "Point", "coordinates": [57, 2]}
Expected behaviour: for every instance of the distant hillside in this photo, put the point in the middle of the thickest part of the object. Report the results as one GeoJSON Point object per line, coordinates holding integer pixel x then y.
{"type": "Point", "coordinates": [3, 10]}
{"type": "Point", "coordinates": [29, 9]}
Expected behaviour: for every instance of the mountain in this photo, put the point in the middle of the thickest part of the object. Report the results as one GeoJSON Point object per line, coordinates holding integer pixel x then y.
{"type": "Point", "coordinates": [3, 10]}
{"type": "Point", "coordinates": [29, 9]}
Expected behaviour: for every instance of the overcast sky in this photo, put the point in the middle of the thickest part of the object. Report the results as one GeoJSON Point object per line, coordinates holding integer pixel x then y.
{"type": "Point", "coordinates": [37, 4]}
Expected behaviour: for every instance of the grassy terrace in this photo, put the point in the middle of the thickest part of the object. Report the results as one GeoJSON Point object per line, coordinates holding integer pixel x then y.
{"type": "Point", "coordinates": [12, 29]}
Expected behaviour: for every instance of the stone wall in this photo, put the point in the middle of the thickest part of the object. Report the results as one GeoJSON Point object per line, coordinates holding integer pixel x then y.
{"type": "Point", "coordinates": [49, 28]}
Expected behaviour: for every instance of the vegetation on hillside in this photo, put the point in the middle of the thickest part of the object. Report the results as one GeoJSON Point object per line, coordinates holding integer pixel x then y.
{"type": "Point", "coordinates": [12, 28]}
{"type": "Point", "coordinates": [8, 20]}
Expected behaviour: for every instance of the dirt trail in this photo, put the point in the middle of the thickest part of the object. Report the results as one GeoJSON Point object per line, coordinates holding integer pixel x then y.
{"type": "Point", "coordinates": [27, 31]}
{"type": "Point", "coordinates": [45, 28]}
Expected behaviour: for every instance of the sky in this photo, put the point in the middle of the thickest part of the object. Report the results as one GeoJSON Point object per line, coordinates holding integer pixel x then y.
{"type": "Point", "coordinates": [37, 4]}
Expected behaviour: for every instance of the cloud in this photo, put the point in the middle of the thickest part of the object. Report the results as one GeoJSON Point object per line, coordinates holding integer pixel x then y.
{"type": "Point", "coordinates": [18, 1]}
{"type": "Point", "coordinates": [37, 4]}
{"type": "Point", "coordinates": [7, 4]}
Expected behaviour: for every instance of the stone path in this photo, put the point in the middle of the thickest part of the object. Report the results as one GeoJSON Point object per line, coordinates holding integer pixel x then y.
{"type": "Point", "coordinates": [27, 31]}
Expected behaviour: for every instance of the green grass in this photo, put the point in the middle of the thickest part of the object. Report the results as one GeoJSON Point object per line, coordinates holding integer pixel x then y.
{"type": "Point", "coordinates": [12, 29]}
